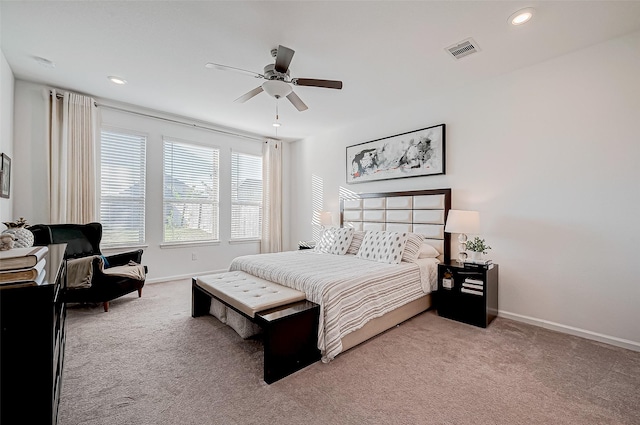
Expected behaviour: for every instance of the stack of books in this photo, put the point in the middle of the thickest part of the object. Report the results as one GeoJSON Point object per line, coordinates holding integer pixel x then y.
{"type": "Point", "coordinates": [483, 261]}
{"type": "Point", "coordinates": [472, 286]}
{"type": "Point", "coordinates": [23, 266]}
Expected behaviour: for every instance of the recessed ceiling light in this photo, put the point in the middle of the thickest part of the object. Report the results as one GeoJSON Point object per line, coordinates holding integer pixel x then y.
{"type": "Point", "coordinates": [521, 16]}
{"type": "Point", "coordinates": [46, 63]}
{"type": "Point", "coordinates": [117, 80]}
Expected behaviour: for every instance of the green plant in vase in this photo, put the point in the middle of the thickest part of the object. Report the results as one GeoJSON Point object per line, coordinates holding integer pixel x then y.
{"type": "Point", "coordinates": [478, 247]}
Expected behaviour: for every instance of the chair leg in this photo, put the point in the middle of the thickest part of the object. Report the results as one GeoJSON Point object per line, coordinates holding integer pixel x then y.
{"type": "Point", "coordinates": [106, 306]}
{"type": "Point", "coordinates": [140, 293]}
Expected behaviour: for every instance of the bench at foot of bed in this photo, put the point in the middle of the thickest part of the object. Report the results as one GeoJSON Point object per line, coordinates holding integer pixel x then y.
{"type": "Point", "coordinates": [289, 322]}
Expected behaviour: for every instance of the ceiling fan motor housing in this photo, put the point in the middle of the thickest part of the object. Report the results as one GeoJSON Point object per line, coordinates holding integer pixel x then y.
{"type": "Point", "coordinates": [270, 73]}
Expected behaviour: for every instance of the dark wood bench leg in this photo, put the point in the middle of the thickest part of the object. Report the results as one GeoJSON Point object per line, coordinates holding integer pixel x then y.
{"type": "Point", "coordinates": [106, 306]}
{"type": "Point", "coordinates": [290, 342]}
{"type": "Point", "coordinates": [200, 300]}
{"type": "Point", "coordinates": [140, 293]}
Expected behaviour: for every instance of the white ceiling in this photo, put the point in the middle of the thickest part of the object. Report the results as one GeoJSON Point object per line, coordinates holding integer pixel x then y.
{"type": "Point", "coordinates": [386, 53]}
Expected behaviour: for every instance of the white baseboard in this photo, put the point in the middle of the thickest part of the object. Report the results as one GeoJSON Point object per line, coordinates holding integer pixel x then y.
{"type": "Point", "coordinates": [183, 276]}
{"type": "Point", "coordinates": [607, 339]}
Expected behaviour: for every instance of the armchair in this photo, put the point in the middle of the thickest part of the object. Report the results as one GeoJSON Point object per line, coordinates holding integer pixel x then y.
{"type": "Point", "coordinates": [83, 240]}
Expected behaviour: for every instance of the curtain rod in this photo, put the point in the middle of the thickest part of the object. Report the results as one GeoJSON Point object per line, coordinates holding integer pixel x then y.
{"type": "Point", "coordinates": [203, 127]}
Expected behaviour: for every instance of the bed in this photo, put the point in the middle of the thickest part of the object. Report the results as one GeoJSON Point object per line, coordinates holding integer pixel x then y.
{"type": "Point", "coordinates": [360, 298]}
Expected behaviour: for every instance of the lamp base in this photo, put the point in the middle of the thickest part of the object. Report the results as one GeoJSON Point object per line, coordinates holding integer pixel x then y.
{"type": "Point", "coordinates": [462, 248]}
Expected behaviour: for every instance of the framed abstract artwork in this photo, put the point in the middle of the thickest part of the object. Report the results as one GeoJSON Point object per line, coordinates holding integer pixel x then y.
{"type": "Point", "coordinates": [5, 176]}
{"type": "Point", "coordinates": [412, 154]}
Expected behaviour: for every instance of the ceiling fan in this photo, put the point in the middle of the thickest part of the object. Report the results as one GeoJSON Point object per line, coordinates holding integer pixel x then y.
{"type": "Point", "coordinates": [278, 82]}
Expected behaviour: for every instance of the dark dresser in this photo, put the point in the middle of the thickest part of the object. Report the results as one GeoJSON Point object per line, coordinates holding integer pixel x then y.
{"type": "Point", "coordinates": [32, 339]}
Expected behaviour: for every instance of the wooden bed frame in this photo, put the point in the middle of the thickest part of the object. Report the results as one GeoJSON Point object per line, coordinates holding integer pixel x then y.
{"type": "Point", "coordinates": [421, 211]}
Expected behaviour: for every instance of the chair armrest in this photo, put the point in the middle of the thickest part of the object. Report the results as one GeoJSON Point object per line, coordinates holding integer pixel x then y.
{"type": "Point", "coordinates": [124, 258]}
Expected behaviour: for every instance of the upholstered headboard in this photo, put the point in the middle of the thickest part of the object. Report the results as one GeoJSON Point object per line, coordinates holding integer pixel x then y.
{"type": "Point", "coordinates": [421, 211]}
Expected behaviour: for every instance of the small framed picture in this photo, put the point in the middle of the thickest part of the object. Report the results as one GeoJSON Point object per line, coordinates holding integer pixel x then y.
{"type": "Point", "coordinates": [5, 176]}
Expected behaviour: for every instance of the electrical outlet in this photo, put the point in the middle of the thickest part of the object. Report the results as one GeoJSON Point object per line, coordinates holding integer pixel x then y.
{"type": "Point", "coordinates": [194, 256]}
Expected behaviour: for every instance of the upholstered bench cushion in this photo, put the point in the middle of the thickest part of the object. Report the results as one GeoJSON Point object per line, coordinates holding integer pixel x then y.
{"type": "Point", "coordinates": [247, 293]}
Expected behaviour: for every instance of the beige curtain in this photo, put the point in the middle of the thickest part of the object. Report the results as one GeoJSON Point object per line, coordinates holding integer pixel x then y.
{"type": "Point", "coordinates": [271, 196]}
{"type": "Point", "coordinates": [72, 158]}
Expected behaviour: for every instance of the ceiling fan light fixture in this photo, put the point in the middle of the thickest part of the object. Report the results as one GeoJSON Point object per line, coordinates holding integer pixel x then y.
{"type": "Point", "coordinates": [276, 88]}
{"type": "Point", "coordinates": [522, 16]}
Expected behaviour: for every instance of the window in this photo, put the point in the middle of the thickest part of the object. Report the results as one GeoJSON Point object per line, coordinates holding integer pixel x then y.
{"type": "Point", "coordinates": [246, 196]}
{"type": "Point", "coordinates": [190, 204]}
{"type": "Point", "coordinates": [122, 188]}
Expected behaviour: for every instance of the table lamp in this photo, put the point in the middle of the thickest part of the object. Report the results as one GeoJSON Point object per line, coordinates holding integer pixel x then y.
{"type": "Point", "coordinates": [462, 222]}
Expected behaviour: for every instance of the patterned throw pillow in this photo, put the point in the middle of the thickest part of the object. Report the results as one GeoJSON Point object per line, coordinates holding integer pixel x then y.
{"type": "Point", "coordinates": [335, 241]}
{"type": "Point", "coordinates": [384, 247]}
{"type": "Point", "coordinates": [358, 236]}
{"type": "Point", "coordinates": [326, 240]}
{"type": "Point", "coordinates": [412, 247]}
{"type": "Point", "coordinates": [342, 240]}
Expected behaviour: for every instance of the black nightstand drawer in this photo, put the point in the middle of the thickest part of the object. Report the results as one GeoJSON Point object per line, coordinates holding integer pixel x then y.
{"type": "Point", "coordinates": [468, 293]}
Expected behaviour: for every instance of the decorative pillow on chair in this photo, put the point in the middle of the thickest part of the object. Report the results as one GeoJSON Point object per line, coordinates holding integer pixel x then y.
{"type": "Point", "coordinates": [384, 247]}
{"type": "Point", "coordinates": [412, 247]}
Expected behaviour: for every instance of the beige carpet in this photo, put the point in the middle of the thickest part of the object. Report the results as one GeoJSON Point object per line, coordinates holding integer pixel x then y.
{"type": "Point", "coordinates": [147, 361]}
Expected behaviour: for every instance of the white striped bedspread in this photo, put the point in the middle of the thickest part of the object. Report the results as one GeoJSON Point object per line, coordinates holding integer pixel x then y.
{"type": "Point", "coordinates": [349, 290]}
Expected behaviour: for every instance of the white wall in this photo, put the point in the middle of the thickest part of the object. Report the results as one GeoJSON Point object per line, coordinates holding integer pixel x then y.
{"type": "Point", "coordinates": [165, 262]}
{"type": "Point", "coordinates": [6, 131]}
{"type": "Point", "coordinates": [549, 156]}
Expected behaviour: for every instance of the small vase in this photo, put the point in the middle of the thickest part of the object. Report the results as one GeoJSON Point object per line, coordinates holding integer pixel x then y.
{"type": "Point", "coordinates": [476, 255]}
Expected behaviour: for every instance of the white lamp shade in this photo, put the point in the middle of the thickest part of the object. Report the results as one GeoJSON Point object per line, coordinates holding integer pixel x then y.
{"type": "Point", "coordinates": [460, 221]}
{"type": "Point", "coordinates": [326, 218]}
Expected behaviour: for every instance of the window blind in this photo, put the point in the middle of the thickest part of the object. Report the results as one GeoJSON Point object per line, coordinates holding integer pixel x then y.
{"type": "Point", "coordinates": [190, 200]}
{"type": "Point", "coordinates": [246, 196]}
{"type": "Point", "coordinates": [122, 188]}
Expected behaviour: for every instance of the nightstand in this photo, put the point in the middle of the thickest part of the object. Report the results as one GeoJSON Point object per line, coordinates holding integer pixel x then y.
{"type": "Point", "coordinates": [306, 245]}
{"type": "Point", "coordinates": [468, 292]}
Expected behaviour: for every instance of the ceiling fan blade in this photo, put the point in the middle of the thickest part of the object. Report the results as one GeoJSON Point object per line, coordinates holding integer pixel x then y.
{"type": "Point", "coordinates": [283, 58]}
{"type": "Point", "coordinates": [329, 84]}
{"type": "Point", "coordinates": [249, 95]}
{"type": "Point", "coordinates": [297, 102]}
{"type": "Point", "coordinates": [219, 67]}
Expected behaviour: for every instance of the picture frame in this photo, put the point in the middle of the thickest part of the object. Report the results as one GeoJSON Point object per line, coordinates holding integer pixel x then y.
{"type": "Point", "coordinates": [412, 154]}
{"type": "Point", "coordinates": [5, 176]}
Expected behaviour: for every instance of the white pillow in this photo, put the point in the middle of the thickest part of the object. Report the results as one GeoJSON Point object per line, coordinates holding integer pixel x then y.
{"type": "Point", "coordinates": [412, 247]}
{"type": "Point", "coordinates": [384, 247]}
{"type": "Point", "coordinates": [427, 251]}
{"type": "Point", "coordinates": [335, 240]}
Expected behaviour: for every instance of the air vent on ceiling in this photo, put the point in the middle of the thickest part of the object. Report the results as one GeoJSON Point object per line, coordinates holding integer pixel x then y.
{"type": "Point", "coordinates": [463, 48]}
